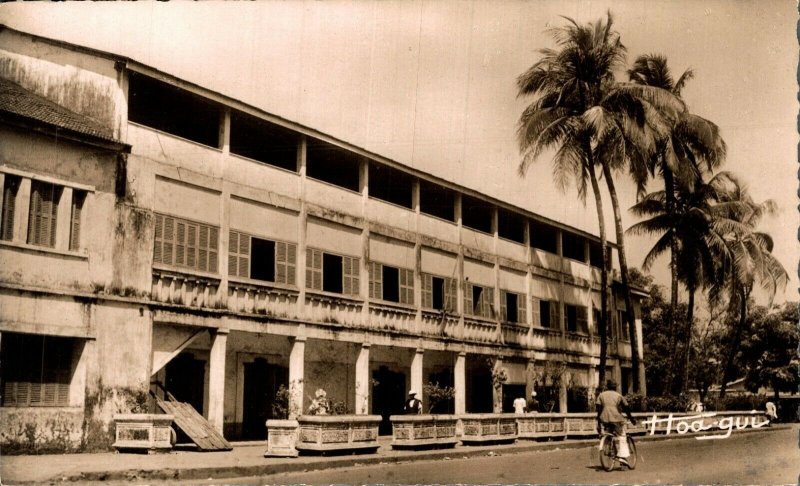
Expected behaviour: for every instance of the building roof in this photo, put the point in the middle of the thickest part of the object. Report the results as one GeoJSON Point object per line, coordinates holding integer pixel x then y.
{"type": "Point", "coordinates": [16, 100]}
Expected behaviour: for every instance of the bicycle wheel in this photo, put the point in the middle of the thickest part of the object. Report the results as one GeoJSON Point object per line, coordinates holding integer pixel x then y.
{"type": "Point", "coordinates": [633, 457]}
{"type": "Point", "coordinates": [608, 452]}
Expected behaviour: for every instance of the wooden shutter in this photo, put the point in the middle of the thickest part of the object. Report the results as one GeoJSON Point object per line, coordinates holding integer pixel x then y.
{"type": "Point", "coordinates": [9, 206]}
{"type": "Point", "coordinates": [406, 286]}
{"type": "Point", "coordinates": [555, 315]}
{"type": "Point", "coordinates": [427, 291]}
{"type": "Point", "coordinates": [522, 309]}
{"type": "Point", "coordinates": [350, 275]}
{"type": "Point", "coordinates": [78, 198]}
{"type": "Point", "coordinates": [582, 320]}
{"type": "Point", "coordinates": [43, 214]}
{"type": "Point", "coordinates": [213, 249]}
{"type": "Point", "coordinates": [503, 306]}
{"type": "Point", "coordinates": [285, 262]}
{"type": "Point", "coordinates": [487, 298]}
{"type": "Point", "coordinates": [536, 311]}
{"type": "Point", "coordinates": [181, 244]}
{"type": "Point", "coordinates": [169, 239]}
{"type": "Point", "coordinates": [202, 247]}
{"type": "Point", "coordinates": [313, 269]}
{"type": "Point", "coordinates": [468, 309]}
{"type": "Point", "coordinates": [375, 280]}
{"type": "Point", "coordinates": [239, 254]}
{"type": "Point", "coordinates": [450, 293]}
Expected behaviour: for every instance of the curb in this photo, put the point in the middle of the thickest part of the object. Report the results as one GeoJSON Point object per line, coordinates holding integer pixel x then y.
{"type": "Point", "coordinates": [223, 472]}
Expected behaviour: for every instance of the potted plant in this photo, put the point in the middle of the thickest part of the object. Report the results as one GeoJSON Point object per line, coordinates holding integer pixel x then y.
{"type": "Point", "coordinates": [329, 426]}
{"type": "Point", "coordinates": [282, 430]}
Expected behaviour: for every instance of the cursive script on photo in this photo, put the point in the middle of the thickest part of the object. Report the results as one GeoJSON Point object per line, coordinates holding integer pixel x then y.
{"type": "Point", "coordinates": [704, 422]}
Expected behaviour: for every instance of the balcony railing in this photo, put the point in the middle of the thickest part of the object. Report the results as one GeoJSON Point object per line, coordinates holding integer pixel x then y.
{"type": "Point", "coordinates": [189, 289]}
{"type": "Point", "coordinates": [262, 299]}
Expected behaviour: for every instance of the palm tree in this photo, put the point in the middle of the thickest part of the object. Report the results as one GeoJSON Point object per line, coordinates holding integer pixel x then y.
{"type": "Point", "coordinates": [690, 227]}
{"type": "Point", "coordinates": [690, 145]}
{"type": "Point", "coordinates": [589, 119]}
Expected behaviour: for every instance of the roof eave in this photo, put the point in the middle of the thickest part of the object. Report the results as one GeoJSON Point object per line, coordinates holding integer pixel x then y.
{"type": "Point", "coordinates": [49, 129]}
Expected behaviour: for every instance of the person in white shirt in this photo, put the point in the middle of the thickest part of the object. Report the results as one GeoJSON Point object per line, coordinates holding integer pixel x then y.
{"type": "Point", "coordinates": [519, 405]}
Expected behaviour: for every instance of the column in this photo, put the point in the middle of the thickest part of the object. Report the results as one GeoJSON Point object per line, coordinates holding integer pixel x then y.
{"type": "Point", "coordinates": [301, 227]}
{"type": "Point", "coordinates": [416, 371]}
{"type": "Point", "coordinates": [64, 219]}
{"type": "Point", "coordinates": [530, 374]}
{"type": "Point", "coordinates": [362, 380]}
{"type": "Point", "coordinates": [460, 264]}
{"type": "Point", "coordinates": [22, 206]}
{"type": "Point", "coordinates": [216, 379]}
{"type": "Point", "coordinates": [562, 398]}
{"type": "Point", "coordinates": [460, 382]}
{"type": "Point", "coordinates": [497, 388]}
{"type": "Point", "coordinates": [640, 345]}
{"type": "Point", "coordinates": [296, 376]}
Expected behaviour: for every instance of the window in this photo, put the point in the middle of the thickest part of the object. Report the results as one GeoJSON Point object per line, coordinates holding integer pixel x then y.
{"type": "Point", "coordinates": [332, 273]}
{"type": "Point", "coordinates": [170, 109]}
{"type": "Point", "coordinates": [390, 185]}
{"type": "Point", "coordinates": [437, 201]}
{"type": "Point", "coordinates": [439, 293]}
{"type": "Point", "coordinates": [478, 300]}
{"type": "Point", "coordinates": [332, 164]}
{"type": "Point", "coordinates": [391, 284]}
{"type": "Point", "coordinates": [546, 313]}
{"type": "Point", "coordinates": [10, 189]}
{"type": "Point", "coordinates": [37, 370]}
{"type": "Point", "coordinates": [572, 246]}
{"type": "Point", "coordinates": [476, 214]}
{"type": "Point", "coordinates": [544, 237]}
{"type": "Point", "coordinates": [263, 141]}
{"type": "Point", "coordinates": [622, 323]}
{"type": "Point", "coordinates": [42, 213]}
{"type": "Point", "coordinates": [261, 259]}
{"type": "Point", "coordinates": [511, 226]}
{"type": "Point", "coordinates": [183, 243]}
{"type": "Point", "coordinates": [513, 308]}
{"type": "Point", "coordinates": [595, 254]}
{"type": "Point", "coordinates": [577, 320]}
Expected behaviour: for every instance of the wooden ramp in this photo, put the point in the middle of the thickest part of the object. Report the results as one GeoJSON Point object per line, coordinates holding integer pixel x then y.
{"type": "Point", "coordinates": [194, 425]}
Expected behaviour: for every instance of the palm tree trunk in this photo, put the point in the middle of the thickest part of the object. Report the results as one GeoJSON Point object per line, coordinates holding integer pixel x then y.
{"type": "Point", "coordinates": [602, 326]}
{"type": "Point", "coordinates": [626, 291]}
{"type": "Point", "coordinates": [669, 190]}
{"type": "Point", "coordinates": [688, 332]}
{"type": "Point", "coordinates": [734, 345]}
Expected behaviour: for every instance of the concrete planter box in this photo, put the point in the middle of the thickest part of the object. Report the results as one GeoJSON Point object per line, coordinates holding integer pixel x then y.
{"type": "Point", "coordinates": [423, 431]}
{"type": "Point", "coordinates": [325, 433]}
{"type": "Point", "coordinates": [581, 424]}
{"type": "Point", "coordinates": [542, 426]}
{"type": "Point", "coordinates": [480, 428]}
{"type": "Point", "coordinates": [281, 438]}
{"type": "Point", "coordinates": [143, 432]}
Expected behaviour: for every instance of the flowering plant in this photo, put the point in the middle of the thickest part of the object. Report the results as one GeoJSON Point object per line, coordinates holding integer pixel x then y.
{"type": "Point", "coordinates": [320, 404]}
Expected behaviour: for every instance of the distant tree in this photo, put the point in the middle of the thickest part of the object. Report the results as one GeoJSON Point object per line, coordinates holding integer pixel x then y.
{"type": "Point", "coordinates": [769, 353]}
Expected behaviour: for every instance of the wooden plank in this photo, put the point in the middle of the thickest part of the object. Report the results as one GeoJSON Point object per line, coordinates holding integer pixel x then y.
{"type": "Point", "coordinates": [194, 425]}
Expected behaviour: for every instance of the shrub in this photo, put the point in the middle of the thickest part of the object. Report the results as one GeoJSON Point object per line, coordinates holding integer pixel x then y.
{"type": "Point", "coordinates": [668, 403]}
{"type": "Point", "coordinates": [438, 395]}
{"type": "Point", "coordinates": [637, 402]}
{"type": "Point", "coordinates": [738, 402]}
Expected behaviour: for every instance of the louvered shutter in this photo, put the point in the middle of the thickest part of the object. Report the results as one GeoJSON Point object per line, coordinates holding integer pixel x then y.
{"type": "Point", "coordinates": [468, 309]}
{"type": "Point", "coordinates": [158, 239]}
{"type": "Point", "coordinates": [78, 198]}
{"type": "Point", "coordinates": [313, 269]}
{"type": "Point", "coordinates": [583, 324]}
{"type": "Point", "coordinates": [213, 249]}
{"type": "Point", "coordinates": [202, 248]}
{"type": "Point", "coordinates": [233, 254]}
{"type": "Point", "coordinates": [427, 291]}
{"type": "Point", "coordinates": [375, 280]}
{"type": "Point", "coordinates": [239, 254]}
{"type": "Point", "coordinates": [522, 309]}
{"type": "Point", "coordinates": [555, 315]}
{"type": "Point", "coordinates": [43, 213]}
{"type": "Point", "coordinates": [450, 293]}
{"type": "Point", "coordinates": [350, 275]}
{"type": "Point", "coordinates": [488, 302]}
{"type": "Point", "coordinates": [406, 286]}
{"type": "Point", "coordinates": [535, 311]}
{"type": "Point", "coordinates": [285, 262]}
{"type": "Point", "coordinates": [181, 244]}
{"type": "Point", "coordinates": [169, 239]}
{"type": "Point", "coordinates": [9, 206]}
{"type": "Point", "coordinates": [503, 305]}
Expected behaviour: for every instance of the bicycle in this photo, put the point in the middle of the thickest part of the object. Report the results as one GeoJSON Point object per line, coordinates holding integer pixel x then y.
{"type": "Point", "coordinates": [608, 451]}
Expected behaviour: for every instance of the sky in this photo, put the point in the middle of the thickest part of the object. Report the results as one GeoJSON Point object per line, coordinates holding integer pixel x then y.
{"type": "Point", "coordinates": [431, 84]}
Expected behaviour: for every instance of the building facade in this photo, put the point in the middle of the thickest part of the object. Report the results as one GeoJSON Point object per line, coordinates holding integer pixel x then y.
{"type": "Point", "coordinates": [169, 238]}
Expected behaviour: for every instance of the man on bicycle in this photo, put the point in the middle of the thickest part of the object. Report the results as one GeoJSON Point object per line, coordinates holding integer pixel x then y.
{"type": "Point", "coordinates": [610, 406]}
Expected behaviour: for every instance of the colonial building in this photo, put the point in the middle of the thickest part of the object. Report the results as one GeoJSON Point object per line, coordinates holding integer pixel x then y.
{"type": "Point", "coordinates": [157, 235]}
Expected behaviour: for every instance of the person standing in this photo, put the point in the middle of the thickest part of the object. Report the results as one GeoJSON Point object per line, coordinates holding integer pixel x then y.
{"type": "Point", "coordinates": [519, 405]}
{"type": "Point", "coordinates": [413, 404]}
{"type": "Point", "coordinates": [772, 412]}
{"type": "Point", "coordinates": [533, 403]}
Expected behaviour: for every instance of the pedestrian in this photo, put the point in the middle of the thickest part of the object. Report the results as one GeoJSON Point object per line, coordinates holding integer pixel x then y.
{"type": "Point", "coordinates": [772, 412]}
{"type": "Point", "coordinates": [533, 403]}
{"type": "Point", "coordinates": [413, 404]}
{"type": "Point", "coordinates": [519, 405]}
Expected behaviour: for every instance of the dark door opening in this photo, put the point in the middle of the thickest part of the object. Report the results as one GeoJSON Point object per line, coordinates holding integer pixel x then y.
{"type": "Point", "coordinates": [444, 378]}
{"type": "Point", "coordinates": [388, 396]}
{"type": "Point", "coordinates": [185, 379]}
{"type": "Point", "coordinates": [511, 393]}
{"type": "Point", "coordinates": [479, 390]}
{"type": "Point", "coordinates": [261, 382]}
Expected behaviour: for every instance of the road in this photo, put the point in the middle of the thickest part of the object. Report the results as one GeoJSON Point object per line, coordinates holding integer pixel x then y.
{"type": "Point", "coordinates": [768, 457]}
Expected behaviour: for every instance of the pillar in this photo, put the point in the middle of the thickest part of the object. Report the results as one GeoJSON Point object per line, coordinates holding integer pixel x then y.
{"type": "Point", "coordinates": [497, 389]}
{"type": "Point", "coordinates": [562, 398]}
{"type": "Point", "coordinates": [362, 380]}
{"type": "Point", "coordinates": [460, 382]}
{"type": "Point", "coordinates": [216, 379]}
{"type": "Point", "coordinates": [530, 377]}
{"type": "Point", "coordinates": [296, 376]}
{"type": "Point", "coordinates": [416, 371]}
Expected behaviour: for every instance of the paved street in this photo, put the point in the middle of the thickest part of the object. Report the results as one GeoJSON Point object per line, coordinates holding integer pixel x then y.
{"type": "Point", "coordinates": [753, 458]}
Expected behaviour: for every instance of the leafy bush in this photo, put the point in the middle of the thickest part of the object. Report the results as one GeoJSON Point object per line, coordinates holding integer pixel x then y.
{"type": "Point", "coordinates": [438, 395]}
{"type": "Point", "coordinates": [668, 403]}
{"type": "Point", "coordinates": [280, 406]}
{"type": "Point", "coordinates": [738, 402]}
{"type": "Point", "coordinates": [637, 402]}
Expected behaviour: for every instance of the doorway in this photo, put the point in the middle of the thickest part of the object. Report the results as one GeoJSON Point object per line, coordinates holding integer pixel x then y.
{"type": "Point", "coordinates": [185, 380]}
{"type": "Point", "coordinates": [388, 396]}
{"type": "Point", "coordinates": [510, 393]}
{"type": "Point", "coordinates": [261, 383]}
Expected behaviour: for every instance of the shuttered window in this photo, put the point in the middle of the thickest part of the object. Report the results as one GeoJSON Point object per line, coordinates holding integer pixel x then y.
{"type": "Point", "coordinates": [391, 283]}
{"type": "Point", "coordinates": [522, 309]}
{"type": "Point", "coordinates": [286, 263]}
{"type": "Point", "coordinates": [78, 198]}
{"type": "Point", "coordinates": [238, 254]}
{"type": "Point", "coordinates": [427, 291]}
{"type": "Point", "coordinates": [450, 294]}
{"type": "Point", "coordinates": [350, 275]}
{"type": "Point", "coordinates": [406, 286]}
{"type": "Point", "coordinates": [577, 318]}
{"type": "Point", "coordinates": [313, 269]}
{"type": "Point", "coordinates": [375, 280]}
{"type": "Point", "coordinates": [10, 189]}
{"type": "Point", "coordinates": [438, 293]}
{"type": "Point", "coordinates": [536, 312]}
{"type": "Point", "coordinates": [555, 315]}
{"type": "Point", "coordinates": [260, 259]}
{"type": "Point", "coordinates": [478, 300]}
{"type": "Point", "coordinates": [512, 307]}
{"type": "Point", "coordinates": [36, 370]}
{"type": "Point", "coordinates": [43, 213]}
{"type": "Point", "coordinates": [183, 243]}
